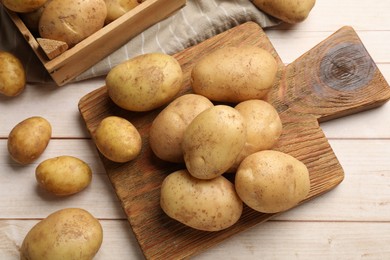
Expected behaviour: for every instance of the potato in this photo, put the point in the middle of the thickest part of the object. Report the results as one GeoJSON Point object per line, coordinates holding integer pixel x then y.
{"type": "Point", "coordinates": [12, 75]}
{"type": "Point", "coordinates": [29, 139]}
{"type": "Point", "coordinates": [23, 6]}
{"type": "Point", "coordinates": [234, 74]}
{"type": "Point", "coordinates": [263, 126]}
{"type": "Point", "coordinates": [289, 11]}
{"type": "Point", "coordinates": [63, 175]}
{"type": "Point", "coordinates": [166, 132]}
{"type": "Point", "coordinates": [272, 181]}
{"type": "Point", "coordinates": [31, 19]}
{"type": "Point", "coordinates": [118, 139]}
{"type": "Point", "coordinates": [208, 205]}
{"type": "Point", "coordinates": [70, 233]}
{"type": "Point", "coordinates": [117, 8]}
{"type": "Point", "coordinates": [72, 21]}
{"type": "Point", "coordinates": [212, 141]}
{"type": "Point", "coordinates": [145, 82]}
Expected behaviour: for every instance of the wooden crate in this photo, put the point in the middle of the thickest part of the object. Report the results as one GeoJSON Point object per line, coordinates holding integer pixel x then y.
{"type": "Point", "coordinates": [88, 52]}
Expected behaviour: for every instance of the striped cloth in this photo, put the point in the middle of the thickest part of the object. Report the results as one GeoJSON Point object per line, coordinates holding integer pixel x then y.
{"type": "Point", "coordinates": [192, 24]}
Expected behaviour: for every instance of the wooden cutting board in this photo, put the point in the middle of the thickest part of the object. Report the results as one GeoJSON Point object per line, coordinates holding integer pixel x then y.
{"type": "Point", "coordinates": [335, 78]}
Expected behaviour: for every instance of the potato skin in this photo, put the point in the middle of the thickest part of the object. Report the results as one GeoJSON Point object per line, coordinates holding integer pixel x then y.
{"type": "Point", "coordinates": [208, 205]}
{"type": "Point", "coordinates": [63, 175]}
{"type": "Point", "coordinates": [272, 181]}
{"type": "Point", "coordinates": [118, 139]}
{"type": "Point", "coordinates": [289, 11]}
{"type": "Point", "coordinates": [29, 139]}
{"type": "Point", "coordinates": [167, 130]}
{"type": "Point", "coordinates": [12, 75]}
{"type": "Point", "coordinates": [117, 8]}
{"type": "Point", "coordinates": [234, 74]}
{"type": "Point", "coordinates": [212, 141]}
{"type": "Point", "coordinates": [263, 126]}
{"type": "Point", "coordinates": [72, 21]}
{"type": "Point", "coordinates": [23, 6]}
{"type": "Point", "coordinates": [71, 233]}
{"type": "Point", "coordinates": [145, 82]}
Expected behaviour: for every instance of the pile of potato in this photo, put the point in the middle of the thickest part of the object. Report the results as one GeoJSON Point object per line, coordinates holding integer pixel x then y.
{"type": "Point", "coordinates": [223, 126]}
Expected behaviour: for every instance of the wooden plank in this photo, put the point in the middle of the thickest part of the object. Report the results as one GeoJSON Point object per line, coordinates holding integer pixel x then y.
{"type": "Point", "coordinates": [137, 183]}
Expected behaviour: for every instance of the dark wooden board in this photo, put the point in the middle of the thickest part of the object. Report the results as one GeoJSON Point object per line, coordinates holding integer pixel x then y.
{"type": "Point", "coordinates": [335, 78]}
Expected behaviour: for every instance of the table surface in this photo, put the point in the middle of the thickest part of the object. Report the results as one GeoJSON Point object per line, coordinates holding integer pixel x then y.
{"type": "Point", "coordinates": [349, 222]}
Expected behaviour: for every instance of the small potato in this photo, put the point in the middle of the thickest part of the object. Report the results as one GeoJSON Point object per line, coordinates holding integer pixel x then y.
{"type": "Point", "coordinates": [118, 139]}
{"type": "Point", "coordinates": [289, 11]}
{"type": "Point", "coordinates": [213, 140]}
{"type": "Point", "coordinates": [234, 74]}
{"type": "Point", "coordinates": [209, 205]}
{"type": "Point", "coordinates": [271, 181]}
{"type": "Point", "coordinates": [29, 139]}
{"type": "Point", "coordinates": [63, 175]}
{"type": "Point", "coordinates": [12, 75]}
{"type": "Point", "coordinates": [23, 6]}
{"type": "Point", "coordinates": [263, 126]}
{"type": "Point", "coordinates": [145, 82]}
{"type": "Point", "coordinates": [72, 21]}
{"type": "Point", "coordinates": [166, 132]}
{"type": "Point", "coordinates": [71, 234]}
{"type": "Point", "coordinates": [117, 8]}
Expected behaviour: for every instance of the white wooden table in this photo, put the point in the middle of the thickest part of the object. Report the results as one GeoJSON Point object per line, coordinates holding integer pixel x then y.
{"type": "Point", "coordinates": [350, 222]}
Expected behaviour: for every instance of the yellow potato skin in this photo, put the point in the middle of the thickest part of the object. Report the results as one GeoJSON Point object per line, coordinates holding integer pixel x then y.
{"type": "Point", "coordinates": [208, 205]}
{"type": "Point", "coordinates": [23, 6]}
{"type": "Point", "coordinates": [289, 11]}
{"type": "Point", "coordinates": [63, 175]}
{"type": "Point", "coordinates": [234, 74]}
{"type": "Point", "coordinates": [271, 181]}
{"type": "Point", "coordinates": [167, 130]}
{"type": "Point", "coordinates": [12, 75]}
{"type": "Point", "coordinates": [71, 233]}
{"type": "Point", "coordinates": [145, 82]}
{"type": "Point", "coordinates": [117, 8]}
{"type": "Point", "coordinates": [118, 139]}
{"type": "Point", "coordinates": [212, 141]}
{"type": "Point", "coordinates": [29, 139]}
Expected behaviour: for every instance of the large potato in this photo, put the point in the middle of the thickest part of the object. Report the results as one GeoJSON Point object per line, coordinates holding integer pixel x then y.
{"type": "Point", "coordinates": [212, 141]}
{"type": "Point", "coordinates": [29, 139]}
{"type": "Point", "coordinates": [117, 8]}
{"type": "Point", "coordinates": [145, 82]}
{"type": "Point", "coordinates": [263, 126]}
{"type": "Point", "coordinates": [72, 21]}
{"type": "Point", "coordinates": [23, 6]}
{"type": "Point", "coordinates": [271, 181]}
{"type": "Point", "coordinates": [234, 74]}
{"type": "Point", "coordinates": [63, 175]}
{"type": "Point", "coordinates": [118, 139]}
{"type": "Point", "coordinates": [209, 205]}
{"type": "Point", "coordinates": [289, 11]}
{"type": "Point", "coordinates": [166, 132]}
{"type": "Point", "coordinates": [71, 234]}
{"type": "Point", "coordinates": [12, 75]}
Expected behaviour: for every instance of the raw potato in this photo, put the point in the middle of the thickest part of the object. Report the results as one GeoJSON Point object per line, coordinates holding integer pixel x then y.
{"type": "Point", "coordinates": [72, 21]}
{"type": "Point", "coordinates": [289, 11]}
{"type": "Point", "coordinates": [23, 6]}
{"type": "Point", "coordinates": [118, 139]}
{"type": "Point", "coordinates": [145, 82]}
{"type": "Point", "coordinates": [271, 181]}
{"type": "Point", "coordinates": [29, 139]}
{"type": "Point", "coordinates": [212, 141]}
{"type": "Point", "coordinates": [117, 8]}
{"type": "Point", "coordinates": [263, 126]}
{"type": "Point", "coordinates": [71, 234]}
{"type": "Point", "coordinates": [166, 132]}
{"type": "Point", "coordinates": [208, 205]}
{"type": "Point", "coordinates": [12, 75]}
{"type": "Point", "coordinates": [63, 175]}
{"type": "Point", "coordinates": [234, 74]}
